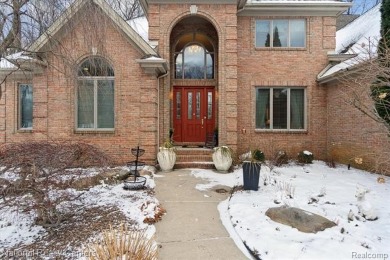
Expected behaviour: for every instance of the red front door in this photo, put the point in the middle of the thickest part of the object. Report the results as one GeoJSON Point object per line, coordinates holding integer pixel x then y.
{"type": "Point", "coordinates": [193, 113]}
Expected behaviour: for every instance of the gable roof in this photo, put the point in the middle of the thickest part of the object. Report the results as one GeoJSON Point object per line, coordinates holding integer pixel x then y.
{"type": "Point", "coordinates": [358, 38]}
{"type": "Point", "coordinates": [137, 41]}
{"type": "Point", "coordinates": [345, 19]}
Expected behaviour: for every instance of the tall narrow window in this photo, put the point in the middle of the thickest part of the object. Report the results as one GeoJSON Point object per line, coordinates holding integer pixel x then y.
{"type": "Point", "coordinates": [280, 108]}
{"type": "Point", "coordinates": [178, 105]}
{"type": "Point", "coordinates": [189, 102]}
{"type": "Point", "coordinates": [25, 106]}
{"type": "Point", "coordinates": [279, 112]}
{"type": "Point", "coordinates": [197, 105]}
{"type": "Point", "coordinates": [209, 105]}
{"type": "Point", "coordinates": [95, 95]}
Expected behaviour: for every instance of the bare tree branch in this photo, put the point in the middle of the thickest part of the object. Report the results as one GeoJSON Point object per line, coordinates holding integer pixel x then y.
{"type": "Point", "coordinates": [23, 21]}
{"type": "Point", "coordinates": [367, 83]}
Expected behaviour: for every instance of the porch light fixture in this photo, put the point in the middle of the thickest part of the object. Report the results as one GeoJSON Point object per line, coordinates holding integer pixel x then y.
{"type": "Point", "coordinates": [193, 9]}
{"type": "Point", "coordinates": [194, 49]}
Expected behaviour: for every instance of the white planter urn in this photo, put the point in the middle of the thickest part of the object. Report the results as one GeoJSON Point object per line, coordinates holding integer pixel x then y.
{"type": "Point", "coordinates": [222, 158]}
{"type": "Point", "coordinates": [166, 158]}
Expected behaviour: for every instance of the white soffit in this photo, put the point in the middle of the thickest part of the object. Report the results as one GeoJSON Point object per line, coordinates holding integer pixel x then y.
{"type": "Point", "coordinates": [294, 8]}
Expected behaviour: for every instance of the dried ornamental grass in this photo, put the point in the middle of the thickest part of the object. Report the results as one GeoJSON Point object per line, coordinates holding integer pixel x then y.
{"type": "Point", "coordinates": [124, 245]}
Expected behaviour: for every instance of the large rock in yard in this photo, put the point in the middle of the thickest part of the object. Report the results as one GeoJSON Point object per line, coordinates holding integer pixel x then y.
{"type": "Point", "coordinates": [302, 220]}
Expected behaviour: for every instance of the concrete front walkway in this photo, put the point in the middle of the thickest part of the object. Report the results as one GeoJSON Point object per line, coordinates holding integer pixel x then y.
{"type": "Point", "coordinates": [192, 228]}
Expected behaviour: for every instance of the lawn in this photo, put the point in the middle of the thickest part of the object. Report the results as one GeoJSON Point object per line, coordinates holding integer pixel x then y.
{"type": "Point", "coordinates": [317, 188]}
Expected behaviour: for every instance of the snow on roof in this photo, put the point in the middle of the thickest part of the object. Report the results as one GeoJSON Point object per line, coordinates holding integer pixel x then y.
{"type": "Point", "coordinates": [154, 58]}
{"type": "Point", "coordinates": [6, 63]}
{"type": "Point", "coordinates": [294, 1]}
{"type": "Point", "coordinates": [365, 26]}
{"type": "Point", "coordinates": [141, 26]}
{"type": "Point", "coordinates": [359, 37]}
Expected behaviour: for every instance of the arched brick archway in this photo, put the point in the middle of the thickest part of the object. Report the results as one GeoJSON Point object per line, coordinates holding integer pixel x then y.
{"type": "Point", "coordinates": [193, 48]}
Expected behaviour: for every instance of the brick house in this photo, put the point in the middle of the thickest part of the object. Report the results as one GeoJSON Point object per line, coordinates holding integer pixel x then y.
{"type": "Point", "coordinates": [245, 67]}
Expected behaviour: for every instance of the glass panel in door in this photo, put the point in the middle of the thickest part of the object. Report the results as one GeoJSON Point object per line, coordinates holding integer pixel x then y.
{"type": "Point", "coordinates": [198, 105]}
{"type": "Point", "coordinates": [209, 105]}
{"type": "Point", "coordinates": [189, 104]}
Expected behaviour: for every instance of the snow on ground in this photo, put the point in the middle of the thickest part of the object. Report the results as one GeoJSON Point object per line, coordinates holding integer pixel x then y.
{"type": "Point", "coordinates": [129, 202]}
{"type": "Point", "coordinates": [231, 180]}
{"type": "Point", "coordinates": [333, 188]}
{"type": "Point", "coordinates": [17, 228]}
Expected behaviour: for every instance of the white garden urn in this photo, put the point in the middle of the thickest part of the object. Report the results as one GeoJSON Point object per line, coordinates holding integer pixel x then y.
{"type": "Point", "coordinates": [222, 158]}
{"type": "Point", "coordinates": [166, 158]}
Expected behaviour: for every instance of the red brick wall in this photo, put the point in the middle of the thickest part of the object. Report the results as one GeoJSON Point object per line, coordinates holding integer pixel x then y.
{"type": "Point", "coordinates": [284, 67]}
{"type": "Point", "coordinates": [54, 94]}
{"type": "Point", "coordinates": [352, 134]}
{"type": "Point", "coordinates": [162, 19]}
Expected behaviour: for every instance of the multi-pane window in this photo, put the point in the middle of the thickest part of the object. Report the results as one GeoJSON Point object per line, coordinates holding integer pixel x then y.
{"type": "Point", "coordinates": [281, 33]}
{"type": "Point", "coordinates": [280, 108]}
{"type": "Point", "coordinates": [95, 95]}
{"type": "Point", "coordinates": [194, 62]}
{"type": "Point", "coordinates": [25, 106]}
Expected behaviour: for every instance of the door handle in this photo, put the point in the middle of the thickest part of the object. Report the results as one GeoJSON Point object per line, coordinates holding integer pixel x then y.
{"type": "Point", "coordinates": [202, 121]}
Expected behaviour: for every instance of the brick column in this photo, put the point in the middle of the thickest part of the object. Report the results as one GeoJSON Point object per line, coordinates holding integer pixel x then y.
{"type": "Point", "coordinates": [228, 80]}
{"type": "Point", "coordinates": [2, 113]}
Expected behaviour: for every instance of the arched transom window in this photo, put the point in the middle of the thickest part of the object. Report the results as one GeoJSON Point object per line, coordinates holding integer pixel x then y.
{"type": "Point", "coordinates": [95, 95]}
{"type": "Point", "coordinates": [194, 62]}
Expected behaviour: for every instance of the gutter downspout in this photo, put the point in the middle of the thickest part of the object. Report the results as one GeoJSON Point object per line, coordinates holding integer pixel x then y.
{"type": "Point", "coordinates": [158, 108]}
{"type": "Point", "coordinates": [319, 76]}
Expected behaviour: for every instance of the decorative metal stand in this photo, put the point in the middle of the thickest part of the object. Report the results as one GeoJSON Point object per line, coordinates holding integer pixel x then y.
{"type": "Point", "coordinates": [138, 181]}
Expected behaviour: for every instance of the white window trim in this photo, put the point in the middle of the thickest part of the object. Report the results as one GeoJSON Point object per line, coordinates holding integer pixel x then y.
{"type": "Point", "coordinates": [288, 36]}
{"type": "Point", "coordinates": [271, 129]}
{"type": "Point", "coordinates": [95, 85]}
{"type": "Point", "coordinates": [19, 110]}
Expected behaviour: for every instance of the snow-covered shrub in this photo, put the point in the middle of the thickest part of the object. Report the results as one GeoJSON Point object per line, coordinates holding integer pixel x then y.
{"type": "Point", "coordinates": [123, 244]}
{"type": "Point", "coordinates": [364, 206]}
{"type": "Point", "coordinates": [280, 158]}
{"type": "Point", "coordinates": [305, 157]}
